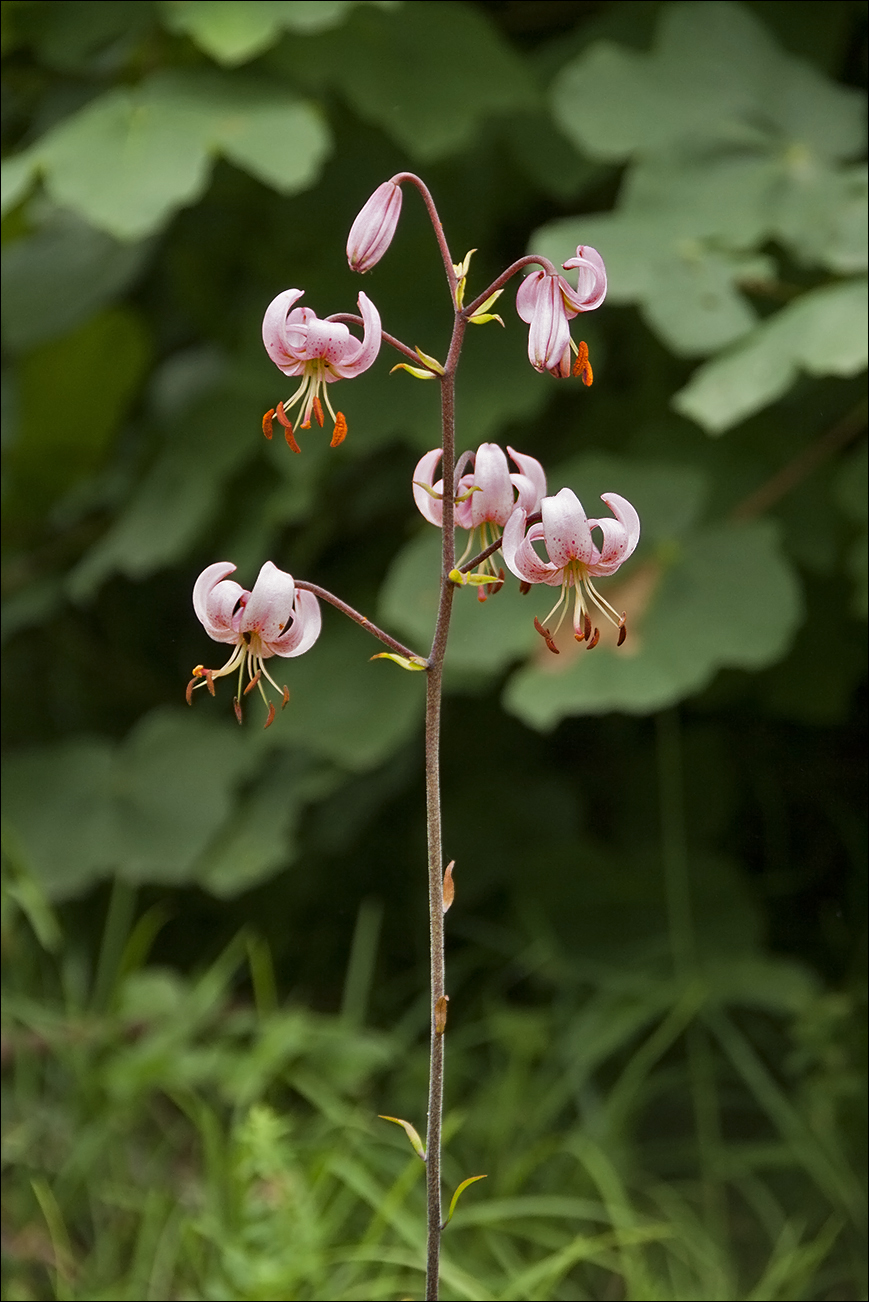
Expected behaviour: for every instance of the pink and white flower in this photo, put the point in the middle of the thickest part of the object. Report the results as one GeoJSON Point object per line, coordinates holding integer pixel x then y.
{"type": "Point", "coordinates": [574, 558]}
{"type": "Point", "coordinates": [487, 494]}
{"type": "Point", "coordinates": [321, 352]}
{"type": "Point", "coordinates": [547, 302]}
{"type": "Point", "coordinates": [372, 231]}
{"type": "Point", "coordinates": [274, 619]}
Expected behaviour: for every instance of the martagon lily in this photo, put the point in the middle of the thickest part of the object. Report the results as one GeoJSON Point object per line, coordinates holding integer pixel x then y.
{"type": "Point", "coordinates": [274, 619]}
{"type": "Point", "coordinates": [321, 352]}
{"type": "Point", "coordinates": [547, 302]}
{"type": "Point", "coordinates": [487, 494]}
{"type": "Point", "coordinates": [574, 559]}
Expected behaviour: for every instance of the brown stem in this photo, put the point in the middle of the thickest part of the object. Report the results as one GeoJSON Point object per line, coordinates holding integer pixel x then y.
{"type": "Point", "coordinates": [361, 620]}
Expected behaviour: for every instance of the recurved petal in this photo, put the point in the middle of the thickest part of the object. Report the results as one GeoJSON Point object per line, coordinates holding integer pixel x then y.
{"type": "Point", "coordinates": [428, 506]}
{"type": "Point", "coordinates": [215, 599]}
{"type": "Point", "coordinates": [270, 604]}
{"type": "Point", "coordinates": [304, 630]}
{"type": "Point", "coordinates": [620, 536]}
{"type": "Point", "coordinates": [565, 529]}
{"type": "Point", "coordinates": [533, 473]}
{"type": "Point", "coordinates": [520, 557]}
{"type": "Point", "coordinates": [526, 296]}
{"type": "Point", "coordinates": [277, 345]}
{"type": "Point", "coordinates": [590, 290]}
{"type": "Point", "coordinates": [495, 500]}
{"type": "Point", "coordinates": [360, 354]}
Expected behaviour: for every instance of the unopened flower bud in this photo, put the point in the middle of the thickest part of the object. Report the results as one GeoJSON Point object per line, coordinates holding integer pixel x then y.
{"type": "Point", "coordinates": [371, 233]}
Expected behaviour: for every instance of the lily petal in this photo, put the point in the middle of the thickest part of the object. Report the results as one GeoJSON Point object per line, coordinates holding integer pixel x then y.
{"type": "Point", "coordinates": [520, 557]}
{"type": "Point", "coordinates": [533, 472]}
{"type": "Point", "coordinates": [215, 601]}
{"type": "Point", "coordinates": [565, 529]}
{"type": "Point", "coordinates": [270, 604]}
{"type": "Point", "coordinates": [620, 536]}
{"type": "Point", "coordinates": [304, 630]}
{"type": "Point", "coordinates": [495, 500]}
{"type": "Point", "coordinates": [284, 356]}
{"type": "Point", "coordinates": [428, 506]}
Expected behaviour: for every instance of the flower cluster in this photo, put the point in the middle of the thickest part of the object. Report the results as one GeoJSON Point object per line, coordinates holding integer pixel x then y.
{"type": "Point", "coordinates": [487, 494]}
{"type": "Point", "coordinates": [274, 619]}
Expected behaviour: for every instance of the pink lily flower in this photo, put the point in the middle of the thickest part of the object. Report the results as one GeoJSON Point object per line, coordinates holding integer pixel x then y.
{"type": "Point", "coordinates": [487, 495]}
{"type": "Point", "coordinates": [372, 231]}
{"type": "Point", "coordinates": [321, 351]}
{"type": "Point", "coordinates": [574, 558]}
{"type": "Point", "coordinates": [274, 619]}
{"type": "Point", "coordinates": [547, 302]}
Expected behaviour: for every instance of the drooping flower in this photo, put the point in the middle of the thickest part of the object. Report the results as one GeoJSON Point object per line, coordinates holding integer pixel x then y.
{"type": "Point", "coordinates": [321, 352]}
{"type": "Point", "coordinates": [487, 494]}
{"type": "Point", "coordinates": [547, 303]}
{"type": "Point", "coordinates": [574, 558]}
{"type": "Point", "coordinates": [274, 619]}
{"type": "Point", "coordinates": [372, 231]}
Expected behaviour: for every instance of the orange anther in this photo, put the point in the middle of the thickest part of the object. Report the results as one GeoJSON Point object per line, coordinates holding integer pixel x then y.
{"type": "Point", "coordinates": [253, 682]}
{"type": "Point", "coordinates": [236, 705]}
{"type": "Point", "coordinates": [267, 422]}
{"type": "Point", "coordinates": [291, 441]}
{"type": "Point", "coordinates": [339, 434]}
{"type": "Point", "coordinates": [586, 625]}
{"type": "Point", "coordinates": [623, 632]}
{"type": "Point", "coordinates": [189, 693]}
{"type": "Point", "coordinates": [209, 681]}
{"type": "Point", "coordinates": [271, 717]}
{"type": "Point", "coordinates": [582, 365]}
{"type": "Point", "coordinates": [317, 409]}
{"type": "Point", "coordinates": [285, 702]}
{"type": "Point", "coordinates": [594, 639]}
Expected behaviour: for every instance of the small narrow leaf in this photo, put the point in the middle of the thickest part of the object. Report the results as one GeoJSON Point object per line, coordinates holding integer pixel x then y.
{"type": "Point", "coordinates": [449, 885]}
{"type": "Point", "coordinates": [429, 361]}
{"type": "Point", "coordinates": [418, 1146]}
{"type": "Point", "coordinates": [414, 370]}
{"type": "Point", "coordinates": [472, 1179]}
{"type": "Point", "coordinates": [404, 661]}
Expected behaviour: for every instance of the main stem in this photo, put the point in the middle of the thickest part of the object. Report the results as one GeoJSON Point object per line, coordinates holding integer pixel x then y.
{"type": "Point", "coordinates": [434, 686]}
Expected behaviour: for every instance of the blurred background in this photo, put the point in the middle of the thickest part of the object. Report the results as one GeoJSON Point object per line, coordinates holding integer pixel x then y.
{"type": "Point", "coordinates": [214, 938]}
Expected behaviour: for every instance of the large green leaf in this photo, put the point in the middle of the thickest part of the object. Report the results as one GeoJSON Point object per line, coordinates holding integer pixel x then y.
{"type": "Point", "coordinates": [714, 75]}
{"type": "Point", "coordinates": [824, 332]}
{"type": "Point", "coordinates": [129, 159]}
{"type": "Point", "coordinates": [427, 74]}
{"type": "Point", "coordinates": [235, 31]}
{"type": "Point", "coordinates": [60, 275]}
{"type": "Point", "coordinates": [146, 809]}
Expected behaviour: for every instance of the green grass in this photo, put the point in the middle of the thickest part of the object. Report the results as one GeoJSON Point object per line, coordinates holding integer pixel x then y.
{"type": "Point", "coordinates": [168, 1137]}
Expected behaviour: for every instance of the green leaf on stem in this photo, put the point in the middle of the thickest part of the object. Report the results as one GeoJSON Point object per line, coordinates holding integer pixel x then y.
{"type": "Point", "coordinates": [418, 1146]}
{"type": "Point", "coordinates": [472, 1179]}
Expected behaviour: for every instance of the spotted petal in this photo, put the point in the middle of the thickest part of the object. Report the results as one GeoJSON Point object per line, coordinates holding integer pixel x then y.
{"type": "Point", "coordinates": [216, 599]}
{"type": "Point", "coordinates": [620, 536]}
{"type": "Point", "coordinates": [565, 529]}
{"type": "Point", "coordinates": [270, 604]}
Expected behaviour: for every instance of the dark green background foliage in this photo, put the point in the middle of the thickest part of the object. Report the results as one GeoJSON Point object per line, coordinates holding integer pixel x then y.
{"type": "Point", "coordinates": [656, 950]}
